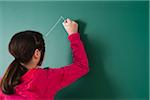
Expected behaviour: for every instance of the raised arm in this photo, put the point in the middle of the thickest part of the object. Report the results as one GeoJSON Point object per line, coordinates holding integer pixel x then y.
{"type": "Point", "coordinates": [79, 67]}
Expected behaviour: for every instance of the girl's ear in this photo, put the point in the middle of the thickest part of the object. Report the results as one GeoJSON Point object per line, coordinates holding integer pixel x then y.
{"type": "Point", "coordinates": [37, 54]}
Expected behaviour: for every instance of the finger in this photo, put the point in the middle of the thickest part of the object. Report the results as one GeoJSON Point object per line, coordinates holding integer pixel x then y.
{"type": "Point", "coordinates": [68, 21]}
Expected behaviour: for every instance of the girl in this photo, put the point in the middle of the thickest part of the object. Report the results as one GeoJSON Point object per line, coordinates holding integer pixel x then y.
{"type": "Point", "coordinates": [24, 80]}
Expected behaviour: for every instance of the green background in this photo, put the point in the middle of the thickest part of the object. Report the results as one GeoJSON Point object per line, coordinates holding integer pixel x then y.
{"type": "Point", "coordinates": [115, 35]}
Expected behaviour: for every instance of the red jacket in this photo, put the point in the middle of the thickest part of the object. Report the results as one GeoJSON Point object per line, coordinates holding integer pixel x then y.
{"type": "Point", "coordinates": [43, 84]}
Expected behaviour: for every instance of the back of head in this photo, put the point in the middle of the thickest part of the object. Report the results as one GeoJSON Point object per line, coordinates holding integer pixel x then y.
{"type": "Point", "coordinates": [22, 47]}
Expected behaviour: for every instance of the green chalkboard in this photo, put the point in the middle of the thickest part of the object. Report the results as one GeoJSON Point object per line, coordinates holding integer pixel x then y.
{"type": "Point", "coordinates": [115, 35]}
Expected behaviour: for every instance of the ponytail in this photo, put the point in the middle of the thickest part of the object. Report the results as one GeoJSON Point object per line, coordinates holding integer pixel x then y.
{"type": "Point", "coordinates": [12, 77]}
{"type": "Point", "coordinates": [22, 47]}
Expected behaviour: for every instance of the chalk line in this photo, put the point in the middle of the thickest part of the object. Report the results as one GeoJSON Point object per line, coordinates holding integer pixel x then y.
{"type": "Point", "coordinates": [51, 29]}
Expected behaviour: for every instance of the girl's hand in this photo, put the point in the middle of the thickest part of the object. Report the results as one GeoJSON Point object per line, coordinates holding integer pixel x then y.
{"type": "Point", "coordinates": [70, 26]}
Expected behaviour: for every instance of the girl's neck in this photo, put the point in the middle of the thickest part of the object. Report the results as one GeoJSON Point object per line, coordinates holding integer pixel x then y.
{"type": "Point", "coordinates": [29, 65]}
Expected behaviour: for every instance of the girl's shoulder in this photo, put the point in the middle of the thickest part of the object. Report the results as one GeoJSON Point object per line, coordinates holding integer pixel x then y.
{"type": "Point", "coordinates": [43, 70]}
{"type": "Point", "coordinates": [47, 71]}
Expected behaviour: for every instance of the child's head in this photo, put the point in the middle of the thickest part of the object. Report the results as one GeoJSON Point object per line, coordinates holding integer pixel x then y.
{"type": "Point", "coordinates": [26, 47]}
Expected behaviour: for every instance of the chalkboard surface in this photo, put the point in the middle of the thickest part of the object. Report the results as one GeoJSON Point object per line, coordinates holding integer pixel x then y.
{"type": "Point", "coordinates": [115, 35]}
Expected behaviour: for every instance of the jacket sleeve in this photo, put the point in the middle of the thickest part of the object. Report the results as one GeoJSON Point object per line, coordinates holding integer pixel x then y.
{"type": "Point", "coordinates": [68, 74]}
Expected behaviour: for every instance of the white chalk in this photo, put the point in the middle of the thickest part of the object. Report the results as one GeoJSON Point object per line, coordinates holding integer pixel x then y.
{"type": "Point", "coordinates": [50, 30]}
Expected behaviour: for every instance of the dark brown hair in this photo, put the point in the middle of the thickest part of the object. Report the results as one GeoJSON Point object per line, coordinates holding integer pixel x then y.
{"type": "Point", "coordinates": [22, 47]}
